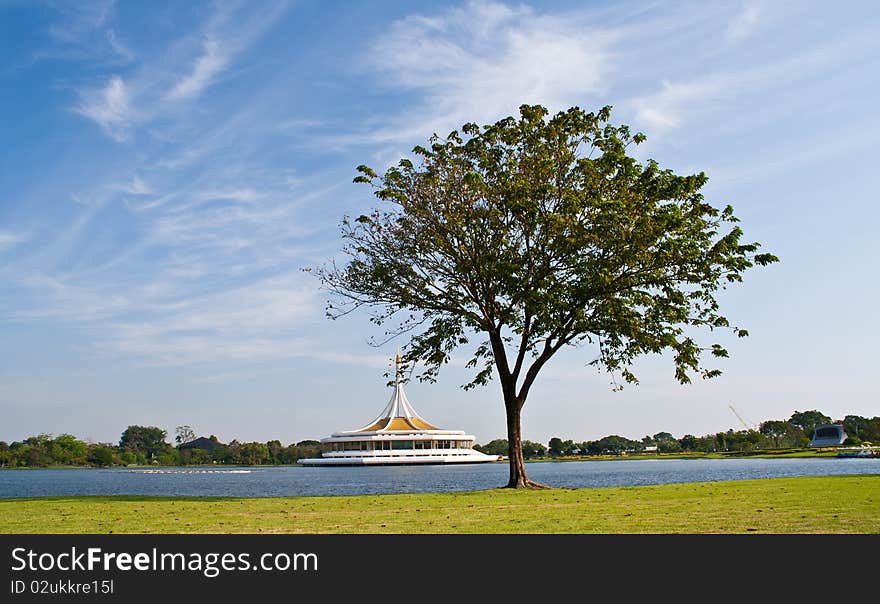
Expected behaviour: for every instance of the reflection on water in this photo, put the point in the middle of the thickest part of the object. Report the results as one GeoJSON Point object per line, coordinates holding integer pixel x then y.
{"type": "Point", "coordinates": [296, 480]}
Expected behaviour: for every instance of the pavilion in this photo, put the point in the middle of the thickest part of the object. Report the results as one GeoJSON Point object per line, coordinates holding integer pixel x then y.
{"type": "Point", "coordinates": [398, 436]}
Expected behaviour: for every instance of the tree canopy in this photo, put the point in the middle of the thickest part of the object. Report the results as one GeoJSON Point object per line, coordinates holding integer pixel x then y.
{"type": "Point", "coordinates": [808, 420]}
{"type": "Point", "coordinates": [184, 434]}
{"type": "Point", "coordinates": [519, 238]}
{"type": "Point", "coordinates": [145, 440]}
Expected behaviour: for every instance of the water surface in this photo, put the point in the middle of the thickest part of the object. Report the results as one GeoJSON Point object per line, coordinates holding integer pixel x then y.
{"type": "Point", "coordinates": [286, 480]}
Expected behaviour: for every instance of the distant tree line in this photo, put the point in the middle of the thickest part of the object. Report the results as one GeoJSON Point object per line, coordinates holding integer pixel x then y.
{"type": "Point", "coordinates": [795, 432]}
{"type": "Point", "coordinates": [147, 445]}
{"type": "Point", "coordinates": [499, 447]}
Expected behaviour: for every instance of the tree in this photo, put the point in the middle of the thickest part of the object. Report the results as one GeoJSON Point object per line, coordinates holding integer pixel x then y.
{"type": "Point", "coordinates": [194, 456]}
{"type": "Point", "coordinates": [872, 432]}
{"type": "Point", "coordinates": [530, 449]}
{"type": "Point", "coordinates": [741, 440]}
{"type": "Point", "coordinates": [276, 451]}
{"type": "Point", "coordinates": [534, 234]}
{"type": "Point", "coordinates": [688, 442]}
{"type": "Point", "coordinates": [183, 435]}
{"type": "Point", "coordinates": [775, 430]}
{"type": "Point", "coordinates": [668, 446]}
{"type": "Point", "coordinates": [613, 444]}
{"type": "Point", "coordinates": [494, 447]}
{"type": "Point", "coordinates": [168, 456]}
{"type": "Point", "coordinates": [37, 450]}
{"type": "Point", "coordinates": [253, 454]}
{"type": "Point", "coordinates": [808, 420]}
{"type": "Point", "coordinates": [143, 440]}
{"type": "Point", "coordinates": [6, 457]}
{"type": "Point", "coordinates": [303, 449]}
{"type": "Point", "coordinates": [101, 456]}
{"type": "Point", "coordinates": [69, 450]}
{"type": "Point", "coordinates": [856, 425]}
{"type": "Point", "coordinates": [783, 432]}
{"type": "Point", "coordinates": [557, 446]}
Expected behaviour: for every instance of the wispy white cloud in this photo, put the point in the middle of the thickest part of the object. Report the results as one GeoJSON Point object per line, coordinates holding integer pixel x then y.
{"type": "Point", "coordinates": [84, 31]}
{"type": "Point", "coordinates": [211, 274]}
{"type": "Point", "coordinates": [118, 47]}
{"type": "Point", "coordinates": [679, 102]}
{"type": "Point", "coordinates": [206, 68]}
{"type": "Point", "coordinates": [377, 361]}
{"type": "Point", "coordinates": [9, 239]}
{"type": "Point", "coordinates": [301, 123]}
{"type": "Point", "coordinates": [189, 152]}
{"type": "Point", "coordinates": [744, 23]}
{"type": "Point", "coordinates": [243, 194]}
{"type": "Point", "coordinates": [136, 186]}
{"type": "Point", "coordinates": [80, 19]}
{"type": "Point", "coordinates": [820, 146]}
{"type": "Point", "coordinates": [162, 82]}
{"type": "Point", "coordinates": [255, 321]}
{"type": "Point", "coordinates": [110, 107]}
{"type": "Point", "coordinates": [664, 109]}
{"type": "Point", "coordinates": [481, 61]}
{"type": "Point", "coordinates": [60, 299]}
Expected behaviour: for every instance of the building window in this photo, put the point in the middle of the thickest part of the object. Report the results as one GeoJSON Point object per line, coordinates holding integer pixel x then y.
{"type": "Point", "coordinates": [401, 444]}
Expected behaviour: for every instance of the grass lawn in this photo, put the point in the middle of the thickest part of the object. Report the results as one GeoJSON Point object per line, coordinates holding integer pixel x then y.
{"type": "Point", "coordinates": [833, 504]}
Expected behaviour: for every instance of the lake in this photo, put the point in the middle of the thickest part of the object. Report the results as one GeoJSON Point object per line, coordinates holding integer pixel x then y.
{"type": "Point", "coordinates": [287, 481]}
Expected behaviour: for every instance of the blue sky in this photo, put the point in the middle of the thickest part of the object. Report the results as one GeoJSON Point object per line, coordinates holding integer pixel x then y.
{"type": "Point", "coordinates": [168, 169]}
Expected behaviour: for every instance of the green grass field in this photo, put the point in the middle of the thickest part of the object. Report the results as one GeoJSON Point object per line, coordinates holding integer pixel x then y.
{"type": "Point", "coordinates": [838, 504]}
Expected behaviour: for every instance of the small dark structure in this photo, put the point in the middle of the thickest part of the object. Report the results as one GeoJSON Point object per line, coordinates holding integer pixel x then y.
{"type": "Point", "coordinates": [828, 435]}
{"type": "Point", "coordinates": [205, 444]}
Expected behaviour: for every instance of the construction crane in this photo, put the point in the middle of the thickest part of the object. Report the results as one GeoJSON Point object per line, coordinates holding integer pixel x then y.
{"type": "Point", "coordinates": [741, 420]}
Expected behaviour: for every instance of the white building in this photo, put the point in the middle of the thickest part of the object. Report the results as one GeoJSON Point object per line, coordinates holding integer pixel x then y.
{"type": "Point", "coordinates": [828, 435]}
{"type": "Point", "coordinates": [398, 436]}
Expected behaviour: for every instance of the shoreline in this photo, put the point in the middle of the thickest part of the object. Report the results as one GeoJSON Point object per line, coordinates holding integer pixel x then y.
{"type": "Point", "coordinates": [763, 454]}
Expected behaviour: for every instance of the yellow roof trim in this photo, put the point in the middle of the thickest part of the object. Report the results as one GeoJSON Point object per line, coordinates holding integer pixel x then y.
{"type": "Point", "coordinates": [399, 423]}
{"type": "Point", "coordinates": [422, 424]}
{"type": "Point", "coordinates": [379, 425]}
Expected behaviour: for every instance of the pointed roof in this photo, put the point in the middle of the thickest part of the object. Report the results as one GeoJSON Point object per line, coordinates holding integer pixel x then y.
{"type": "Point", "coordinates": [398, 413]}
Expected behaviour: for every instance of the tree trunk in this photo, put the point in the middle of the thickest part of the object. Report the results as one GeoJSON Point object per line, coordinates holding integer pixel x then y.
{"type": "Point", "coordinates": [518, 478]}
